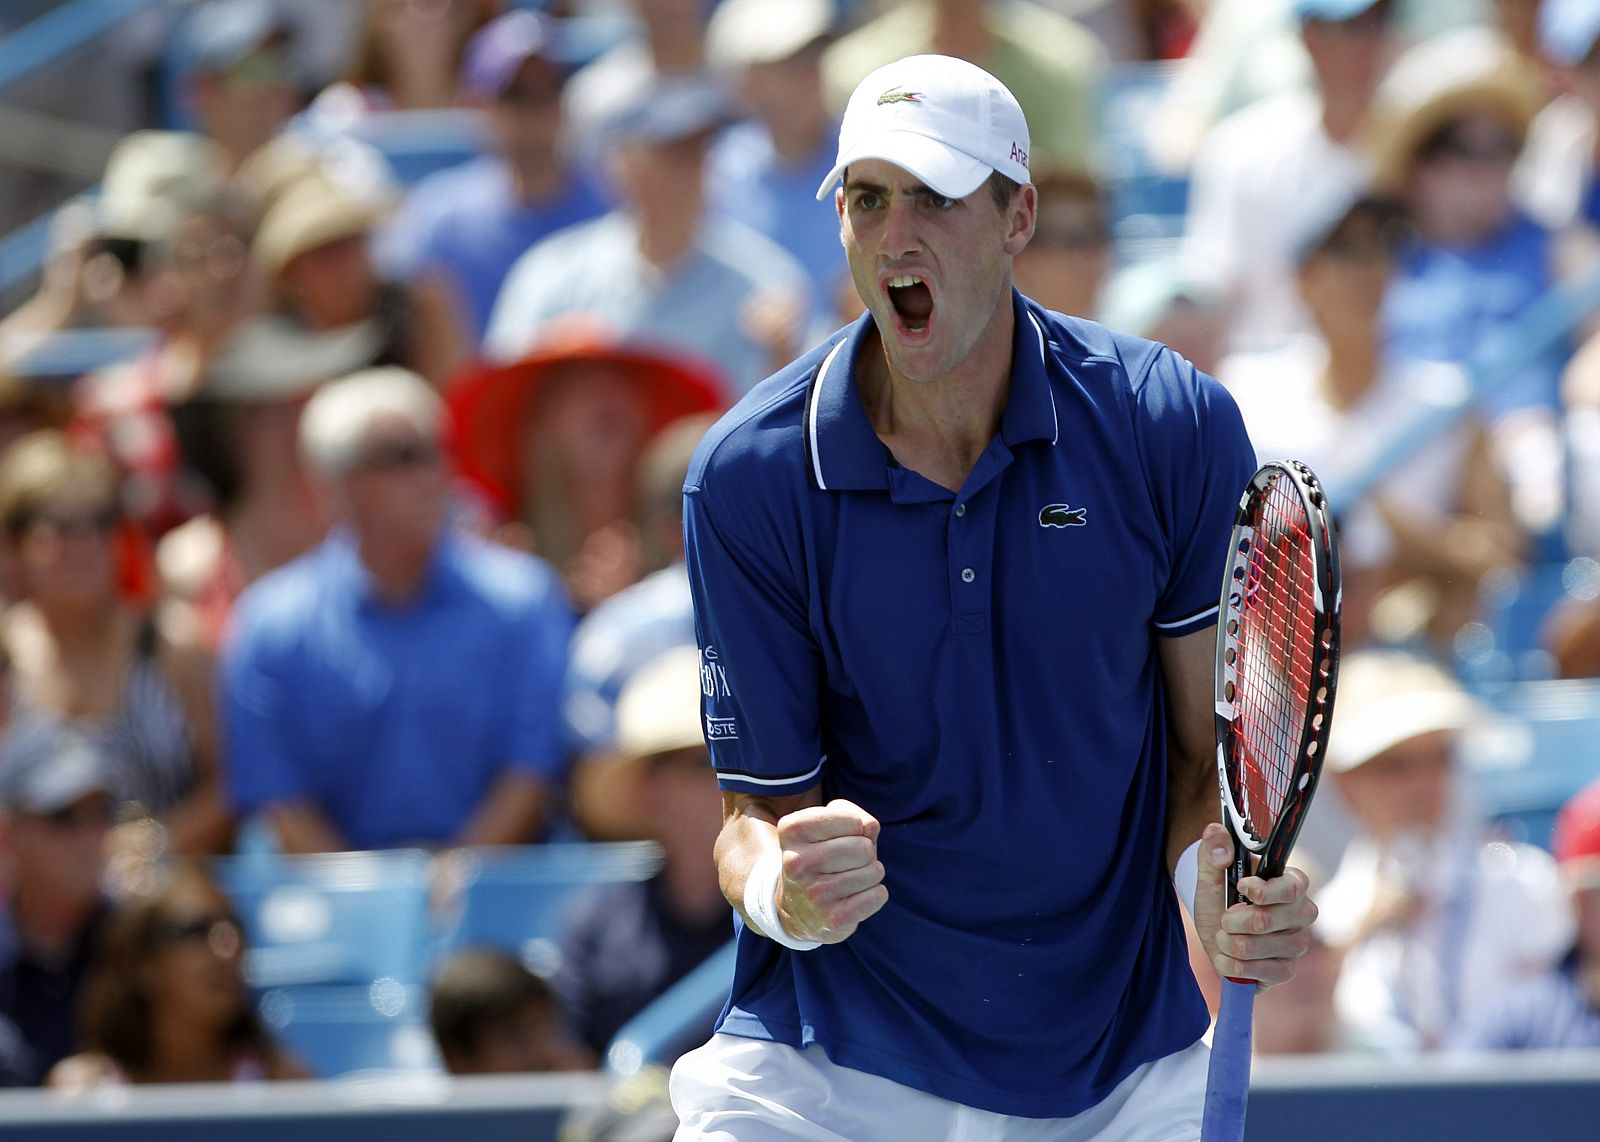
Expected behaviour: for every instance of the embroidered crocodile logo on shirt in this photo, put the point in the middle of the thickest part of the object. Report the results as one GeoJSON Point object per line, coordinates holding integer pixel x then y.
{"type": "Point", "coordinates": [1061, 515]}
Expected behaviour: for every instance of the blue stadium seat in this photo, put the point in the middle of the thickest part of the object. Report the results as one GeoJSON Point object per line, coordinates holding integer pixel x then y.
{"type": "Point", "coordinates": [517, 898]}
{"type": "Point", "coordinates": [1543, 749]}
{"type": "Point", "coordinates": [1504, 645]}
{"type": "Point", "coordinates": [344, 1030]}
{"type": "Point", "coordinates": [336, 918]}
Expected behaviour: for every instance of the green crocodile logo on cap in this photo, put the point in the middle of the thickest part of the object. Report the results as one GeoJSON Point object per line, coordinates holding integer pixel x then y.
{"type": "Point", "coordinates": [898, 96]}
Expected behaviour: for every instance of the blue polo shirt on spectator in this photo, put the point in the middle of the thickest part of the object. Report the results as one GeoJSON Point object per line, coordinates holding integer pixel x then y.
{"type": "Point", "coordinates": [1447, 303]}
{"type": "Point", "coordinates": [394, 721]}
{"type": "Point", "coordinates": [979, 670]}
{"type": "Point", "coordinates": [468, 223]}
{"type": "Point", "coordinates": [750, 182]}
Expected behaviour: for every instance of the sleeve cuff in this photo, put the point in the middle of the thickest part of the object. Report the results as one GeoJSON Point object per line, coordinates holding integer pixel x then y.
{"type": "Point", "coordinates": [760, 785]}
{"type": "Point", "coordinates": [1189, 624]}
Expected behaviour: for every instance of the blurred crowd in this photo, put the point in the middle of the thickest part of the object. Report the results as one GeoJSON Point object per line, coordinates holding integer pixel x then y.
{"type": "Point", "coordinates": [372, 537]}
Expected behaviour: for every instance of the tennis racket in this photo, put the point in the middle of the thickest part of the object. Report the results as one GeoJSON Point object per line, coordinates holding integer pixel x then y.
{"type": "Point", "coordinates": [1277, 664]}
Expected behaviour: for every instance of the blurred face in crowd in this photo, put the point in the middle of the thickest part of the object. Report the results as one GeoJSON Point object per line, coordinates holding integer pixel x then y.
{"type": "Point", "coordinates": [592, 415]}
{"type": "Point", "coordinates": [196, 965]}
{"type": "Point", "coordinates": [333, 285]}
{"type": "Point", "coordinates": [1586, 908]}
{"type": "Point", "coordinates": [958, 251]}
{"type": "Point", "coordinates": [1348, 56]}
{"type": "Point", "coordinates": [1196, 331]}
{"type": "Point", "coordinates": [397, 488]}
{"type": "Point", "coordinates": [59, 856]}
{"type": "Point", "coordinates": [64, 552]}
{"type": "Point", "coordinates": [247, 103]}
{"type": "Point", "coordinates": [526, 117]}
{"type": "Point", "coordinates": [526, 1040]}
{"type": "Point", "coordinates": [1459, 181]}
{"type": "Point", "coordinates": [1343, 281]}
{"type": "Point", "coordinates": [663, 183]}
{"type": "Point", "coordinates": [787, 94]}
{"type": "Point", "coordinates": [210, 256]}
{"type": "Point", "coordinates": [1405, 790]}
{"type": "Point", "coordinates": [1065, 264]}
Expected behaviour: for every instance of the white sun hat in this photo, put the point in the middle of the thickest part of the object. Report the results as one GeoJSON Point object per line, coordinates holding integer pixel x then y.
{"type": "Point", "coordinates": [948, 122]}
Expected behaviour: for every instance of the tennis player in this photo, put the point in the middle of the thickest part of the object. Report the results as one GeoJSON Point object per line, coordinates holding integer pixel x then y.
{"type": "Point", "coordinates": [955, 575]}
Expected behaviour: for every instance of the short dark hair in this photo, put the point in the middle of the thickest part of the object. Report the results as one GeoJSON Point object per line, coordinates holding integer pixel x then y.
{"type": "Point", "coordinates": [473, 990]}
{"type": "Point", "coordinates": [1001, 189]}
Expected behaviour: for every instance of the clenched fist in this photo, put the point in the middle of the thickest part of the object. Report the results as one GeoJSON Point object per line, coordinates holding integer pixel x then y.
{"type": "Point", "coordinates": [832, 878]}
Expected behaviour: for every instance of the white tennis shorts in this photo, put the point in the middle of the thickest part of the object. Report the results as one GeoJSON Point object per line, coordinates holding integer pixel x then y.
{"type": "Point", "coordinates": [748, 1090]}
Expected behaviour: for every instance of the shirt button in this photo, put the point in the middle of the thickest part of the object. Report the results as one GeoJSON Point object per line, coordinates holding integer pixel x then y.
{"type": "Point", "coordinates": [967, 575]}
{"type": "Point", "coordinates": [961, 510]}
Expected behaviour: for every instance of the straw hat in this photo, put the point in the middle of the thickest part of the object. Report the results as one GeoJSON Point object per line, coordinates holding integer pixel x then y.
{"type": "Point", "coordinates": [490, 405]}
{"type": "Point", "coordinates": [153, 179]}
{"type": "Point", "coordinates": [1387, 697]}
{"type": "Point", "coordinates": [1440, 80]}
{"type": "Point", "coordinates": [311, 212]}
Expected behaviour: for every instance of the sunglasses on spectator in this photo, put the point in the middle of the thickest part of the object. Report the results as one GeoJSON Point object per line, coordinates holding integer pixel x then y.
{"type": "Point", "coordinates": [198, 929]}
{"type": "Point", "coordinates": [75, 525]}
{"type": "Point", "coordinates": [398, 455]}
{"type": "Point", "coordinates": [259, 70]}
{"type": "Point", "coordinates": [1483, 150]}
{"type": "Point", "coordinates": [95, 813]}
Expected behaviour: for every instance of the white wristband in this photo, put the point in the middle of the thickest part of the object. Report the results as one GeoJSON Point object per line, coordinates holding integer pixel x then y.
{"type": "Point", "coordinates": [761, 902]}
{"type": "Point", "coordinates": [1186, 874]}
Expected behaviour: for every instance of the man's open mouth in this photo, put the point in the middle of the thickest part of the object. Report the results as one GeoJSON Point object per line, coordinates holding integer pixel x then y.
{"type": "Point", "coordinates": [912, 300]}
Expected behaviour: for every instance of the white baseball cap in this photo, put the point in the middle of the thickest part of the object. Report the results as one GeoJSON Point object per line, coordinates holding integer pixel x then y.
{"type": "Point", "coordinates": [946, 121]}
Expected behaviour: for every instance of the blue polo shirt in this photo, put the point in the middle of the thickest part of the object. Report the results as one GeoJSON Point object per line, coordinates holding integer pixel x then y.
{"type": "Point", "coordinates": [978, 670]}
{"type": "Point", "coordinates": [395, 721]}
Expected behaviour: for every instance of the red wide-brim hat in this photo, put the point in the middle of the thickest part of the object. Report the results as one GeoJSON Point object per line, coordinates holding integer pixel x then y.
{"type": "Point", "coordinates": [489, 403]}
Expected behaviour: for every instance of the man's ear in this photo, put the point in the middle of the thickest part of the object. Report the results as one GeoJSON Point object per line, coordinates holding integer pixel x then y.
{"type": "Point", "coordinates": [1022, 215]}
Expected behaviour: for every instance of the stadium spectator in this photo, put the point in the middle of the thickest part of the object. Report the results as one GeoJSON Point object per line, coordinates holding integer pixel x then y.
{"type": "Point", "coordinates": [1051, 64]}
{"type": "Point", "coordinates": [106, 265]}
{"type": "Point", "coordinates": [1560, 1010]}
{"type": "Point", "coordinates": [58, 795]}
{"type": "Point", "coordinates": [1448, 124]}
{"type": "Point", "coordinates": [765, 170]}
{"type": "Point", "coordinates": [239, 436]}
{"type": "Point", "coordinates": [1434, 921]}
{"type": "Point", "coordinates": [668, 45]}
{"type": "Point", "coordinates": [165, 1000]}
{"type": "Point", "coordinates": [490, 1015]}
{"type": "Point", "coordinates": [1163, 299]}
{"type": "Point", "coordinates": [556, 440]}
{"type": "Point", "coordinates": [623, 634]}
{"type": "Point", "coordinates": [1066, 263]}
{"type": "Point", "coordinates": [239, 74]}
{"type": "Point", "coordinates": [312, 247]}
{"type": "Point", "coordinates": [1555, 176]}
{"type": "Point", "coordinates": [659, 271]}
{"type": "Point", "coordinates": [472, 221]}
{"type": "Point", "coordinates": [127, 406]}
{"type": "Point", "coordinates": [79, 653]}
{"type": "Point", "coordinates": [400, 683]}
{"type": "Point", "coordinates": [1261, 163]}
{"type": "Point", "coordinates": [1340, 396]}
{"type": "Point", "coordinates": [28, 405]}
{"type": "Point", "coordinates": [628, 943]}
{"type": "Point", "coordinates": [407, 57]}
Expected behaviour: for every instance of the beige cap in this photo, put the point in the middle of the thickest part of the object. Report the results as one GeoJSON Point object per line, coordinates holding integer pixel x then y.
{"type": "Point", "coordinates": [311, 212]}
{"type": "Point", "coordinates": [659, 709]}
{"type": "Point", "coordinates": [153, 179]}
{"type": "Point", "coordinates": [1440, 80]}
{"type": "Point", "coordinates": [743, 32]}
{"type": "Point", "coordinates": [1386, 697]}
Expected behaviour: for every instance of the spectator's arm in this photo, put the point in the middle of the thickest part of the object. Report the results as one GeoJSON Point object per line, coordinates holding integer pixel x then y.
{"type": "Point", "coordinates": [511, 813]}
{"type": "Point", "coordinates": [301, 827]}
{"type": "Point", "coordinates": [201, 822]}
{"type": "Point", "coordinates": [436, 344]}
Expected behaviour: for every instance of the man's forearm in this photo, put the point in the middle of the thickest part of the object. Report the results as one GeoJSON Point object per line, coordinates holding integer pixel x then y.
{"type": "Point", "coordinates": [511, 813]}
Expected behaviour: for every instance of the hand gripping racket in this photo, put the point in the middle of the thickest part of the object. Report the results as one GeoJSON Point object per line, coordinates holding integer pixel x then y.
{"type": "Point", "coordinates": [1277, 663]}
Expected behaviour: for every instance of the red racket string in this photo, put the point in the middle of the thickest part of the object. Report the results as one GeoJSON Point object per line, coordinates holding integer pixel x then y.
{"type": "Point", "coordinates": [1276, 651]}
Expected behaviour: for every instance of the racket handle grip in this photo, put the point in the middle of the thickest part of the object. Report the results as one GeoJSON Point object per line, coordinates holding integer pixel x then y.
{"type": "Point", "coordinates": [1228, 1080]}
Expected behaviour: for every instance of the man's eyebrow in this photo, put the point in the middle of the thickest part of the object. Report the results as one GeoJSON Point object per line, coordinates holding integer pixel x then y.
{"type": "Point", "coordinates": [915, 188]}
